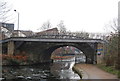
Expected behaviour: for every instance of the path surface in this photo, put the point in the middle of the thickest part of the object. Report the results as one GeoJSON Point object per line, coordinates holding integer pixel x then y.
{"type": "Point", "coordinates": [93, 72]}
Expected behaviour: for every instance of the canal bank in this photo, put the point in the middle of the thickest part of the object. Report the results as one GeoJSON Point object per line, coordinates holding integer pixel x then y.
{"type": "Point", "coordinates": [89, 71]}
{"type": "Point", "coordinates": [82, 74]}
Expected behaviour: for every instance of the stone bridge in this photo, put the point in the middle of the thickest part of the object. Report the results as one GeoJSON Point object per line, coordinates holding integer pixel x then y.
{"type": "Point", "coordinates": [40, 49]}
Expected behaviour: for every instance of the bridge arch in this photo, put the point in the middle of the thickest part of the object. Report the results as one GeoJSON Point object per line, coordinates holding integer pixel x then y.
{"type": "Point", "coordinates": [40, 50]}
{"type": "Point", "coordinates": [89, 52]}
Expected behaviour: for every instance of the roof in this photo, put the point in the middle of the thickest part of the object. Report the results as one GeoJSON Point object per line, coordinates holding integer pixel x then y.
{"type": "Point", "coordinates": [49, 31]}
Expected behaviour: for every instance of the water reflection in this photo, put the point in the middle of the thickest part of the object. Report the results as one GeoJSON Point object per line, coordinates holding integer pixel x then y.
{"type": "Point", "coordinates": [27, 72]}
{"type": "Point", "coordinates": [57, 71]}
{"type": "Point", "coordinates": [63, 70]}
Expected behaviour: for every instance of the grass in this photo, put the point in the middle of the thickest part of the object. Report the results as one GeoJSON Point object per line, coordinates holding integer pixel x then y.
{"type": "Point", "coordinates": [110, 69]}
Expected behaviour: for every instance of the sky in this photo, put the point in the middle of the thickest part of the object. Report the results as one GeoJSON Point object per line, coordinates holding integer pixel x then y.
{"type": "Point", "coordinates": [78, 15]}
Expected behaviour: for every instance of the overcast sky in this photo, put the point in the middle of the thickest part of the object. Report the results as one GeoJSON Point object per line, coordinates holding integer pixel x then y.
{"type": "Point", "coordinates": [78, 15]}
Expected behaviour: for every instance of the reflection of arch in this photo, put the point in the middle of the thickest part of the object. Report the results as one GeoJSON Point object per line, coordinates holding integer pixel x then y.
{"type": "Point", "coordinates": [66, 50]}
{"type": "Point", "coordinates": [84, 47]}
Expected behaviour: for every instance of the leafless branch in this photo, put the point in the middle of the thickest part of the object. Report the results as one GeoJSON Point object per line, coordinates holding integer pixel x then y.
{"type": "Point", "coordinates": [4, 9]}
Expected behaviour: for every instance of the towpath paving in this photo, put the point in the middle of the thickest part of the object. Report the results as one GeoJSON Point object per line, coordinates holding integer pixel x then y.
{"type": "Point", "coordinates": [93, 72]}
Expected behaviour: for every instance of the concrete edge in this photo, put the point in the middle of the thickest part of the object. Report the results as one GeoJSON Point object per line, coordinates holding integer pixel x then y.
{"type": "Point", "coordinates": [80, 72]}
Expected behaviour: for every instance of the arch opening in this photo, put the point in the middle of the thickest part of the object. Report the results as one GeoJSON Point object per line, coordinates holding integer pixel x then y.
{"type": "Point", "coordinates": [68, 53]}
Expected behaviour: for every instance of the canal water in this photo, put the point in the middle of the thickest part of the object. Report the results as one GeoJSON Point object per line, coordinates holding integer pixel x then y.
{"type": "Point", "coordinates": [57, 71]}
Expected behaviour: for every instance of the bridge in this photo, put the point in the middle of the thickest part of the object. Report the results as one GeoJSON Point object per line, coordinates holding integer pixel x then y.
{"type": "Point", "coordinates": [39, 49]}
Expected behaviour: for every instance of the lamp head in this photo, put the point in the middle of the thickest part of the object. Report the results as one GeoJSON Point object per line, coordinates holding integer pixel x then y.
{"type": "Point", "coordinates": [15, 10]}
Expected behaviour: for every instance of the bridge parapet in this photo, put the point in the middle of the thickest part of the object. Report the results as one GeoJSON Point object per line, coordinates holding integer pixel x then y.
{"type": "Point", "coordinates": [58, 36]}
{"type": "Point", "coordinates": [31, 39]}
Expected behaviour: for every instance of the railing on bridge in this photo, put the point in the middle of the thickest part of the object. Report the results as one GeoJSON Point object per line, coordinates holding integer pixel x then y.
{"type": "Point", "coordinates": [58, 36]}
{"type": "Point", "coordinates": [54, 37]}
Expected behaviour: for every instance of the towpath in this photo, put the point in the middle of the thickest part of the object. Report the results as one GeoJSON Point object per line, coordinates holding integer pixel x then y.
{"type": "Point", "coordinates": [93, 72]}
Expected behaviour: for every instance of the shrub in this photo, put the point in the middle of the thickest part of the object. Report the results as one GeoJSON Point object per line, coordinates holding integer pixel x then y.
{"type": "Point", "coordinates": [14, 60]}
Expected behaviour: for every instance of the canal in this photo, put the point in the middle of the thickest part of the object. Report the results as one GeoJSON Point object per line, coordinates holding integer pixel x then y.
{"type": "Point", "coordinates": [56, 71]}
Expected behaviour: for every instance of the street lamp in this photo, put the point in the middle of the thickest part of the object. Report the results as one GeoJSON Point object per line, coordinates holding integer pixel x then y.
{"type": "Point", "coordinates": [18, 18]}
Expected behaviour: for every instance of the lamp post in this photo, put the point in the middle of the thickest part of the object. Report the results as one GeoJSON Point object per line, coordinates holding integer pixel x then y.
{"type": "Point", "coordinates": [18, 18]}
{"type": "Point", "coordinates": [18, 23]}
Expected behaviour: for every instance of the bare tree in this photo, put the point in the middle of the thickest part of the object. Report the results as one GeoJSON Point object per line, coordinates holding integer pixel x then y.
{"type": "Point", "coordinates": [61, 27]}
{"type": "Point", "coordinates": [113, 45]}
{"type": "Point", "coordinates": [118, 60]}
{"type": "Point", "coordinates": [46, 25]}
{"type": "Point", "coordinates": [112, 26]}
{"type": "Point", "coordinates": [4, 9]}
{"type": "Point", "coordinates": [82, 34]}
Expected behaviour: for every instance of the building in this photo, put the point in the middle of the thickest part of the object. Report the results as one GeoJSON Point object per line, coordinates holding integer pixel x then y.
{"type": "Point", "coordinates": [53, 31]}
{"type": "Point", "coordinates": [18, 33]}
{"type": "Point", "coordinates": [27, 33]}
{"type": "Point", "coordinates": [22, 33]}
{"type": "Point", "coordinates": [9, 26]}
{"type": "Point", "coordinates": [6, 30]}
